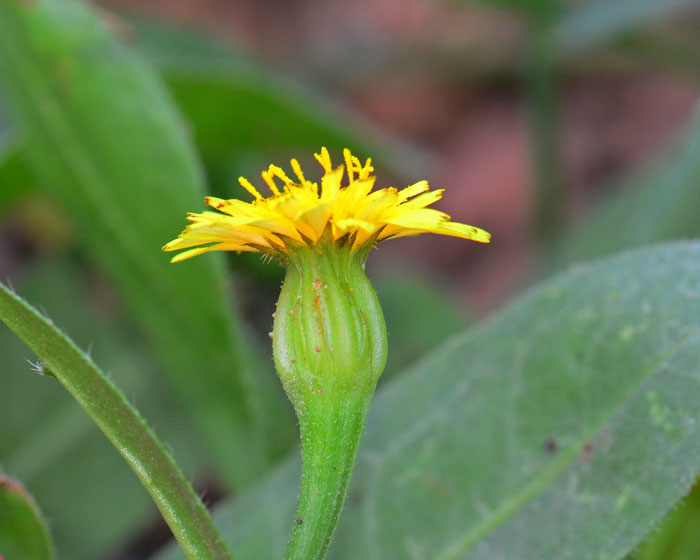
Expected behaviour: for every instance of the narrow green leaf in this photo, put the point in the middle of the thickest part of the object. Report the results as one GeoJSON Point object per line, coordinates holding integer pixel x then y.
{"type": "Point", "coordinates": [23, 532]}
{"type": "Point", "coordinates": [256, 525]}
{"type": "Point", "coordinates": [122, 425]}
{"type": "Point", "coordinates": [565, 427]}
{"type": "Point", "coordinates": [42, 430]}
{"type": "Point", "coordinates": [678, 538]}
{"type": "Point", "coordinates": [656, 204]}
{"type": "Point", "coordinates": [16, 180]}
{"type": "Point", "coordinates": [104, 136]}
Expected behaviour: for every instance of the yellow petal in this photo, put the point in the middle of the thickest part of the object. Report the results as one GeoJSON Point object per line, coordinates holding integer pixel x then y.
{"type": "Point", "coordinates": [218, 247]}
{"type": "Point", "coordinates": [413, 190]}
{"type": "Point", "coordinates": [465, 231]}
{"type": "Point", "coordinates": [316, 218]}
{"type": "Point", "coordinates": [354, 213]}
{"type": "Point", "coordinates": [423, 218]}
{"type": "Point", "coordinates": [330, 185]}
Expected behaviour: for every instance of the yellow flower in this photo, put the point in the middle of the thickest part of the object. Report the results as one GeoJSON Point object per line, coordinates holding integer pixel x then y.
{"type": "Point", "coordinates": [300, 213]}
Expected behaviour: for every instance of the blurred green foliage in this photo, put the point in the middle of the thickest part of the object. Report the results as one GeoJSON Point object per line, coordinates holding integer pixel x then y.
{"type": "Point", "coordinates": [23, 531]}
{"type": "Point", "coordinates": [76, 92]}
{"type": "Point", "coordinates": [590, 23]}
{"type": "Point", "coordinates": [16, 178]}
{"type": "Point", "coordinates": [429, 320]}
{"type": "Point", "coordinates": [43, 432]}
{"type": "Point", "coordinates": [657, 203]}
{"type": "Point", "coordinates": [679, 538]}
{"type": "Point", "coordinates": [94, 129]}
{"type": "Point", "coordinates": [550, 455]}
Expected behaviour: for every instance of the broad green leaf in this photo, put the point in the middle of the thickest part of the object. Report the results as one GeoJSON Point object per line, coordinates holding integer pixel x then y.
{"type": "Point", "coordinates": [104, 136]}
{"type": "Point", "coordinates": [660, 203]}
{"type": "Point", "coordinates": [565, 427]}
{"type": "Point", "coordinates": [23, 531]}
{"type": "Point", "coordinates": [48, 441]}
{"type": "Point", "coordinates": [419, 316]}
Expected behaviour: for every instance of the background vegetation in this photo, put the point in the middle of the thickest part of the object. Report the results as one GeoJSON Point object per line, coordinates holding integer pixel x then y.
{"type": "Point", "coordinates": [565, 425]}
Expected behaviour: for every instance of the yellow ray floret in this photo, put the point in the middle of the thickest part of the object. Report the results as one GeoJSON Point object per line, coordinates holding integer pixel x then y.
{"type": "Point", "coordinates": [300, 213]}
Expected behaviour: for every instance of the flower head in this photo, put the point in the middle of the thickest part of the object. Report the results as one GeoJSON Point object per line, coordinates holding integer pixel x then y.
{"type": "Point", "coordinates": [299, 213]}
{"type": "Point", "coordinates": [329, 338]}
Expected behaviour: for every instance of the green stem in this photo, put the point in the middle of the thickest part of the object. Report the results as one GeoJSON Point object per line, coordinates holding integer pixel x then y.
{"type": "Point", "coordinates": [180, 506]}
{"type": "Point", "coordinates": [331, 433]}
{"type": "Point", "coordinates": [548, 180]}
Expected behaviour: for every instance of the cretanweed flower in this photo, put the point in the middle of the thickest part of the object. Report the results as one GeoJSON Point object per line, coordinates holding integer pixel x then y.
{"type": "Point", "coordinates": [329, 335]}
{"type": "Point", "coordinates": [301, 213]}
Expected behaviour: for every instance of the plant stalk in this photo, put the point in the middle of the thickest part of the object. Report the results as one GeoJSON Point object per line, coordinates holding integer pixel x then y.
{"type": "Point", "coordinates": [331, 434]}
{"type": "Point", "coordinates": [547, 161]}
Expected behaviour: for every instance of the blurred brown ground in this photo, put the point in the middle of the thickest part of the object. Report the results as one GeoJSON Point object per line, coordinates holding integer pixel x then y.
{"type": "Point", "coordinates": [445, 77]}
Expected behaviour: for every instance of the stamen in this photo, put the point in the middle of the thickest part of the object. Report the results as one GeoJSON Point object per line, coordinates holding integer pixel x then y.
{"type": "Point", "coordinates": [279, 172]}
{"type": "Point", "coordinates": [324, 159]}
{"type": "Point", "coordinates": [297, 171]}
{"type": "Point", "coordinates": [349, 165]}
{"type": "Point", "coordinates": [268, 178]}
{"type": "Point", "coordinates": [366, 171]}
{"type": "Point", "coordinates": [247, 185]}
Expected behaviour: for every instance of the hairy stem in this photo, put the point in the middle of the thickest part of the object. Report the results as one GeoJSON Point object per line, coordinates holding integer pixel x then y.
{"type": "Point", "coordinates": [180, 506]}
{"type": "Point", "coordinates": [331, 434]}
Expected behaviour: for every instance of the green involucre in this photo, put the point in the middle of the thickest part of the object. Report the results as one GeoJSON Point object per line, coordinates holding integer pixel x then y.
{"type": "Point", "coordinates": [330, 348]}
{"type": "Point", "coordinates": [329, 331]}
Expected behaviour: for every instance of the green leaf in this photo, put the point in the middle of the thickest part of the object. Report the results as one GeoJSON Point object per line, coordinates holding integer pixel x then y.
{"type": "Point", "coordinates": [16, 179]}
{"type": "Point", "coordinates": [242, 113]}
{"type": "Point", "coordinates": [103, 135]}
{"type": "Point", "coordinates": [23, 532]}
{"type": "Point", "coordinates": [679, 537]}
{"type": "Point", "coordinates": [660, 203]}
{"type": "Point", "coordinates": [43, 431]}
{"type": "Point", "coordinates": [233, 105]}
{"type": "Point", "coordinates": [565, 427]}
{"type": "Point", "coordinates": [419, 316]}
{"type": "Point", "coordinates": [261, 516]}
